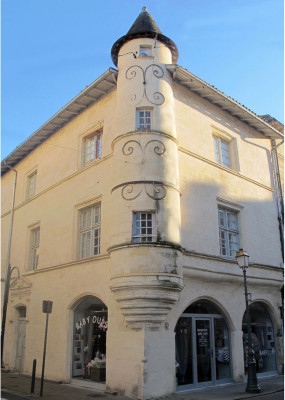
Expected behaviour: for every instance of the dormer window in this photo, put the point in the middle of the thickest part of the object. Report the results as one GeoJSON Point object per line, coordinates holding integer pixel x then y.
{"type": "Point", "coordinates": [145, 51]}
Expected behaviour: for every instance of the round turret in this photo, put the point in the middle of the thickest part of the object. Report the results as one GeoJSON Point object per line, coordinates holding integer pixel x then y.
{"type": "Point", "coordinates": [144, 27]}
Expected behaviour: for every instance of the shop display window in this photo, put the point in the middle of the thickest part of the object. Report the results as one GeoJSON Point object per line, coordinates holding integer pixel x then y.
{"type": "Point", "coordinates": [89, 340]}
{"type": "Point", "coordinates": [263, 339]}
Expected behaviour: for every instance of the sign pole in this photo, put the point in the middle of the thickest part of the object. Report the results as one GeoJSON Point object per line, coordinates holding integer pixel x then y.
{"type": "Point", "coordinates": [47, 307]}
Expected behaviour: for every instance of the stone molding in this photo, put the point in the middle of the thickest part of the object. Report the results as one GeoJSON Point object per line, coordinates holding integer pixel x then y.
{"type": "Point", "coordinates": [146, 299]}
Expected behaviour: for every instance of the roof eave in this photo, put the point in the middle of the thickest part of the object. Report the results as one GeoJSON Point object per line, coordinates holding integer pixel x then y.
{"type": "Point", "coordinates": [92, 93]}
{"type": "Point", "coordinates": [202, 88]}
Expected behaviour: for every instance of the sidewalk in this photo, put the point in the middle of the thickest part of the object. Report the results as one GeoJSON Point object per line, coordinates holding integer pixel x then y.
{"type": "Point", "coordinates": [19, 386]}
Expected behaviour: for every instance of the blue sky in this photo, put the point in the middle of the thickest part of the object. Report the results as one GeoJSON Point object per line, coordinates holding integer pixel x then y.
{"type": "Point", "coordinates": [53, 49]}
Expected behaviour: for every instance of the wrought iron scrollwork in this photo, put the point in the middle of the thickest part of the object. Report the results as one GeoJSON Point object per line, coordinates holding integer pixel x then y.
{"type": "Point", "coordinates": [156, 191]}
{"type": "Point", "coordinates": [155, 98]}
{"type": "Point", "coordinates": [129, 148]}
{"type": "Point", "coordinates": [132, 190]}
{"type": "Point", "coordinates": [159, 147]}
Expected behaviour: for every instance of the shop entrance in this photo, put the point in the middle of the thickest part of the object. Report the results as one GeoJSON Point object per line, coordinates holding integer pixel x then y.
{"type": "Point", "coordinates": [89, 340]}
{"type": "Point", "coordinates": [202, 347]}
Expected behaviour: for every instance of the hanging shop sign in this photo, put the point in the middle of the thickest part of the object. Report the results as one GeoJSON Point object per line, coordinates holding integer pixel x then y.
{"type": "Point", "coordinates": [100, 321]}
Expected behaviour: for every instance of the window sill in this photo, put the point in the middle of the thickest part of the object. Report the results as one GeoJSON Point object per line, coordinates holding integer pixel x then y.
{"type": "Point", "coordinates": [228, 257]}
{"type": "Point", "coordinates": [146, 57]}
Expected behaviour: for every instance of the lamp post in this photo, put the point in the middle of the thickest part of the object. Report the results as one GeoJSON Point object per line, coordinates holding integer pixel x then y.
{"type": "Point", "coordinates": [252, 385]}
{"type": "Point", "coordinates": [8, 267]}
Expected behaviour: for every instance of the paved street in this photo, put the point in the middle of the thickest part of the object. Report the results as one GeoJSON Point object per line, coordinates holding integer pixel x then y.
{"type": "Point", "coordinates": [272, 396]}
{"type": "Point", "coordinates": [17, 387]}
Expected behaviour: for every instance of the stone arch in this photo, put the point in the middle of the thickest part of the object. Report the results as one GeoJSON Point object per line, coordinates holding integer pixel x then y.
{"type": "Point", "coordinates": [203, 344]}
{"type": "Point", "coordinates": [272, 312]}
{"type": "Point", "coordinates": [76, 300]}
{"type": "Point", "coordinates": [88, 323]}
{"type": "Point", "coordinates": [184, 305]}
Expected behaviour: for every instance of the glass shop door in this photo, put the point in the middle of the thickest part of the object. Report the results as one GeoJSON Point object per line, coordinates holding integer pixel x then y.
{"type": "Point", "coordinates": [203, 350]}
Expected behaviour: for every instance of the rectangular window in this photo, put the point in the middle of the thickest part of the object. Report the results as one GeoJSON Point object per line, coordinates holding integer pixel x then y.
{"type": "Point", "coordinates": [144, 229]}
{"type": "Point", "coordinates": [228, 232]}
{"type": "Point", "coordinates": [31, 184]}
{"type": "Point", "coordinates": [34, 247]}
{"type": "Point", "coordinates": [145, 51]}
{"type": "Point", "coordinates": [144, 119]}
{"type": "Point", "coordinates": [222, 152]}
{"type": "Point", "coordinates": [90, 222]}
{"type": "Point", "coordinates": [92, 147]}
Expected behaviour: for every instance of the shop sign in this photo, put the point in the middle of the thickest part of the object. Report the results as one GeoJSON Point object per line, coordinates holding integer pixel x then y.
{"type": "Point", "coordinates": [102, 324]}
{"type": "Point", "coordinates": [202, 335]}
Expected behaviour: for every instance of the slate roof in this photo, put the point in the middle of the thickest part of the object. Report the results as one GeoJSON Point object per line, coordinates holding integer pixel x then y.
{"type": "Point", "coordinates": [144, 26]}
{"type": "Point", "coordinates": [144, 23]}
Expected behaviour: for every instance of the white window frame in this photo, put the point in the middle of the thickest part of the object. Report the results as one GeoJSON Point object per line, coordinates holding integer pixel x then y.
{"type": "Point", "coordinates": [229, 233]}
{"type": "Point", "coordinates": [92, 147]}
{"type": "Point", "coordinates": [31, 184]}
{"type": "Point", "coordinates": [145, 51]}
{"type": "Point", "coordinates": [34, 247]}
{"type": "Point", "coordinates": [223, 151]}
{"type": "Point", "coordinates": [90, 231]}
{"type": "Point", "coordinates": [144, 227]}
{"type": "Point", "coordinates": [144, 118]}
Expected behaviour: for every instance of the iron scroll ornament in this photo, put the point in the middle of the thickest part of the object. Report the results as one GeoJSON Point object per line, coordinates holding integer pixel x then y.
{"type": "Point", "coordinates": [155, 98]}
{"type": "Point", "coordinates": [129, 148]}
{"type": "Point", "coordinates": [154, 189]}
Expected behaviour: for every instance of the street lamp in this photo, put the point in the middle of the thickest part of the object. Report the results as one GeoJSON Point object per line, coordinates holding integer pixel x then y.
{"type": "Point", "coordinates": [8, 266]}
{"type": "Point", "coordinates": [252, 385]}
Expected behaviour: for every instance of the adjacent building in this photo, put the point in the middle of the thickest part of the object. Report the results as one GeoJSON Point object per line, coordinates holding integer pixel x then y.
{"type": "Point", "coordinates": [129, 207]}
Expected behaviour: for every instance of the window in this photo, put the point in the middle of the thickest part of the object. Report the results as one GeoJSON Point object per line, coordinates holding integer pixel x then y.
{"type": "Point", "coordinates": [222, 152]}
{"type": "Point", "coordinates": [92, 147]}
{"type": "Point", "coordinates": [144, 227]}
{"type": "Point", "coordinates": [34, 247]}
{"type": "Point", "coordinates": [145, 51]}
{"type": "Point", "coordinates": [90, 220]}
{"type": "Point", "coordinates": [144, 119]}
{"type": "Point", "coordinates": [31, 184]}
{"type": "Point", "coordinates": [228, 232]}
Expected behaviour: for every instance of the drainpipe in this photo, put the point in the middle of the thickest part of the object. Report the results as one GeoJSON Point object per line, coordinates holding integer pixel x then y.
{"type": "Point", "coordinates": [278, 190]}
{"type": "Point", "coordinates": [8, 269]}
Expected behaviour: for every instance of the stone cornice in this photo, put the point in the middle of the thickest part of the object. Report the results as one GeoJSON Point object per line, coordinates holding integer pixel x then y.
{"type": "Point", "coordinates": [229, 170]}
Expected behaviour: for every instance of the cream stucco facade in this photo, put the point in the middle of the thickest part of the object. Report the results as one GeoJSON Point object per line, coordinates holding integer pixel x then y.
{"type": "Point", "coordinates": [167, 170]}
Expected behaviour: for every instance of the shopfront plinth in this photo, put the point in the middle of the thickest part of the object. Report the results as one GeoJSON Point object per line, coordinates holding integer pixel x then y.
{"type": "Point", "coordinates": [142, 365]}
{"type": "Point", "coordinates": [98, 374]}
{"type": "Point", "coordinates": [159, 366]}
{"type": "Point", "coordinates": [237, 355]}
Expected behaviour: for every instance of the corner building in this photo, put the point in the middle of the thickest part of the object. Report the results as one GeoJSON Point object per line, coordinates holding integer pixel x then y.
{"type": "Point", "coordinates": [130, 205]}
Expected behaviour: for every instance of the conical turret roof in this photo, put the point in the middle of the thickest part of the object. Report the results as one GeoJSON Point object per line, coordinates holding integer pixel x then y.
{"type": "Point", "coordinates": [144, 26]}
{"type": "Point", "coordinates": [144, 23]}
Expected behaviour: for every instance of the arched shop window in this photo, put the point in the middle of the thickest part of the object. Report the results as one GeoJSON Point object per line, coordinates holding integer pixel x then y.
{"type": "Point", "coordinates": [263, 338]}
{"type": "Point", "coordinates": [202, 346]}
{"type": "Point", "coordinates": [89, 339]}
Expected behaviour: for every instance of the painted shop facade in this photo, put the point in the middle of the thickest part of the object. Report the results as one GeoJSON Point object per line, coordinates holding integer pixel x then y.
{"type": "Point", "coordinates": [129, 207]}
